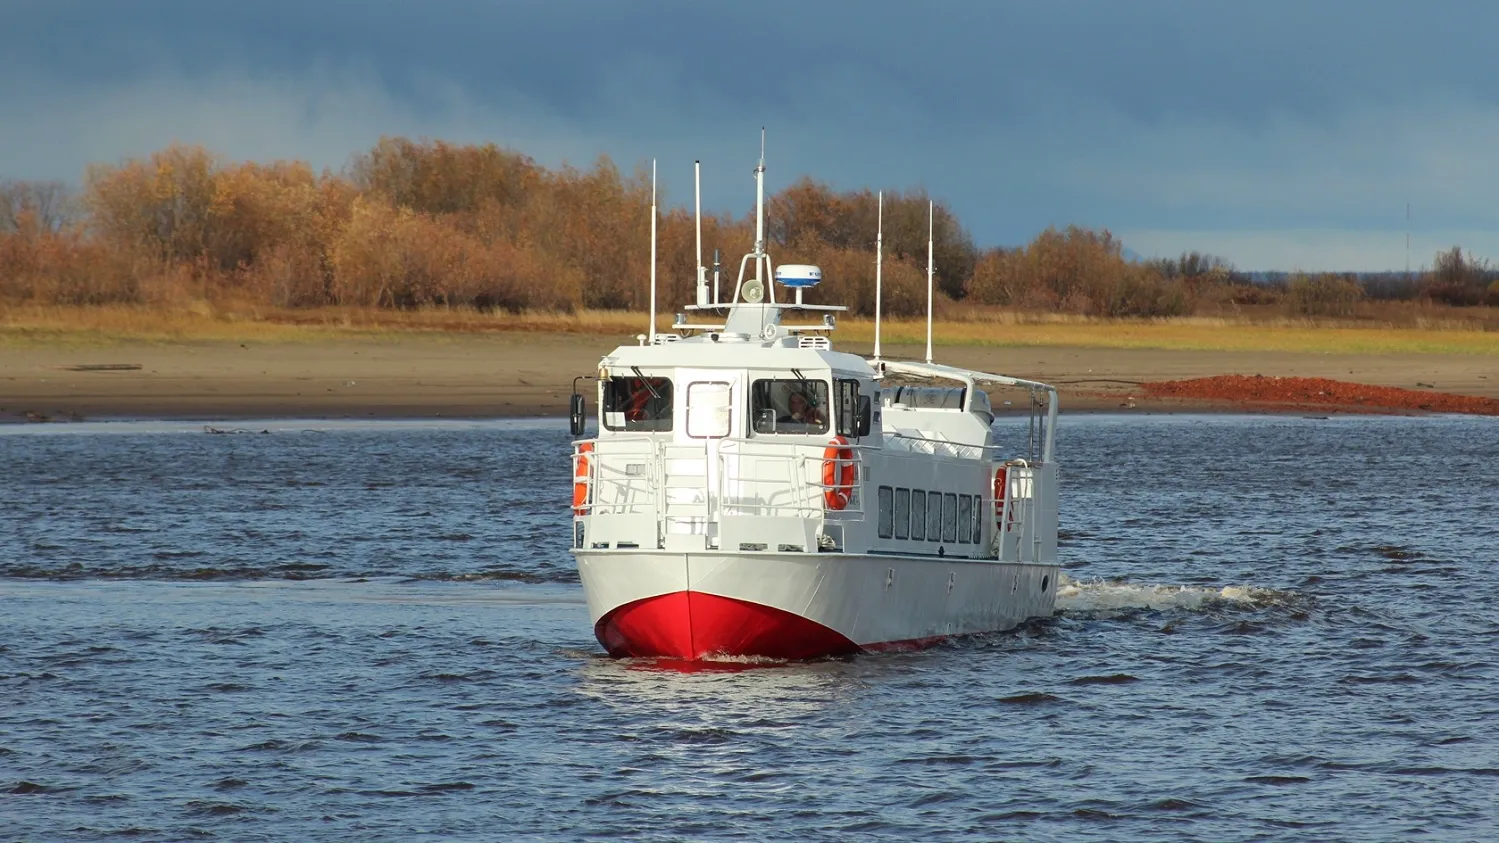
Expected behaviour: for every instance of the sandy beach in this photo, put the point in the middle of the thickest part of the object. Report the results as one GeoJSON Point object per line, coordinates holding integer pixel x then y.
{"type": "Point", "coordinates": [530, 374]}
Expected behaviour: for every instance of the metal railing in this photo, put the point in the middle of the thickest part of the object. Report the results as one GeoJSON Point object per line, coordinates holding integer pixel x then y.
{"type": "Point", "coordinates": [642, 475]}
{"type": "Point", "coordinates": [1017, 513]}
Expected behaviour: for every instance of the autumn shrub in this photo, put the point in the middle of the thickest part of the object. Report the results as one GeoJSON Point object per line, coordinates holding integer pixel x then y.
{"type": "Point", "coordinates": [810, 211]}
{"type": "Point", "coordinates": [68, 268]}
{"type": "Point", "coordinates": [1077, 271]}
{"type": "Point", "coordinates": [1457, 279]}
{"type": "Point", "coordinates": [1324, 294]}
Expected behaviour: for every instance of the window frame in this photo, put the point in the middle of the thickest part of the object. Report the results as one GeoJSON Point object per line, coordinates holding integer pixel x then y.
{"type": "Point", "coordinates": [609, 398]}
{"type": "Point", "coordinates": [728, 424]}
{"type": "Point", "coordinates": [767, 384]}
{"type": "Point", "coordinates": [846, 393]}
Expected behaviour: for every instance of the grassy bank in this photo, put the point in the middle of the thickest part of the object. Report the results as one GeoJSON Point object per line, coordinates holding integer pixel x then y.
{"type": "Point", "coordinates": [1436, 332]}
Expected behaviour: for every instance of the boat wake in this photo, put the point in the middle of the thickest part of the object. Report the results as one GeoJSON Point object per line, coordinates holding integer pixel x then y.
{"type": "Point", "coordinates": [1106, 598]}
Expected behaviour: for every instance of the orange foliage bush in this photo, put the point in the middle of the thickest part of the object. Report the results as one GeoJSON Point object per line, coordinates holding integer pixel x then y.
{"type": "Point", "coordinates": [428, 223]}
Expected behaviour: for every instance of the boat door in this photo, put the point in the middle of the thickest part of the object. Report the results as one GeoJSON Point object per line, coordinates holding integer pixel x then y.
{"type": "Point", "coordinates": [713, 397]}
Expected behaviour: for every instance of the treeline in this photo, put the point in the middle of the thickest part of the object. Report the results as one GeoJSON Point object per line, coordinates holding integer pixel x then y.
{"type": "Point", "coordinates": [416, 224]}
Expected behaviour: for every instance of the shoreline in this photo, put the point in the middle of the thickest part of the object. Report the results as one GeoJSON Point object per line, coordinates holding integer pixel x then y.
{"type": "Point", "coordinates": [530, 375]}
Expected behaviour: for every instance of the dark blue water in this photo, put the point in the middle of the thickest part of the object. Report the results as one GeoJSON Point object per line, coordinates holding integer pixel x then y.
{"type": "Point", "coordinates": [1276, 628]}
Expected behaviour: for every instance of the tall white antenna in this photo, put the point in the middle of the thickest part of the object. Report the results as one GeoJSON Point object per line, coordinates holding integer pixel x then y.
{"type": "Point", "coordinates": [931, 215]}
{"type": "Point", "coordinates": [879, 255]}
{"type": "Point", "coordinates": [702, 271]}
{"type": "Point", "coordinates": [760, 203]}
{"type": "Point", "coordinates": [651, 340]}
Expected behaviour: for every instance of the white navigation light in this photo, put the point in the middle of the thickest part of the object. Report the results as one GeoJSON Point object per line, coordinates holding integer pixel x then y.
{"type": "Point", "coordinates": [798, 276]}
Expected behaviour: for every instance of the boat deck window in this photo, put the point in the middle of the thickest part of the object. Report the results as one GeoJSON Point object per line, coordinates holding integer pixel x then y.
{"type": "Point", "coordinates": [950, 517]}
{"type": "Point", "coordinates": [934, 516]}
{"type": "Point", "coordinates": [790, 406]}
{"type": "Point", "coordinates": [918, 515]}
{"type": "Point", "coordinates": [965, 519]}
{"type": "Point", "coordinates": [885, 522]}
{"type": "Point", "coordinates": [634, 403]}
{"type": "Point", "coordinates": [902, 512]}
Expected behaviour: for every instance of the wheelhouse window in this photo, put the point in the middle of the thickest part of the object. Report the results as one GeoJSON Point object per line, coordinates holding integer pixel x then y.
{"type": "Point", "coordinates": [790, 406]}
{"type": "Point", "coordinates": [637, 403]}
{"type": "Point", "coordinates": [885, 509]}
{"type": "Point", "coordinates": [902, 512]}
{"type": "Point", "coordinates": [976, 523]}
{"type": "Point", "coordinates": [918, 514]}
{"type": "Point", "coordinates": [950, 517]}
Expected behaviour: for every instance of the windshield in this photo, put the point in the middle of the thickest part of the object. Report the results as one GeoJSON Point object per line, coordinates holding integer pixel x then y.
{"type": "Point", "coordinates": [790, 406]}
{"type": "Point", "coordinates": [634, 403]}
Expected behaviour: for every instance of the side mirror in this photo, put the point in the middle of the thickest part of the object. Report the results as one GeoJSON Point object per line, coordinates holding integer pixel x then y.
{"type": "Point", "coordinates": [864, 415]}
{"type": "Point", "coordinates": [575, 416]}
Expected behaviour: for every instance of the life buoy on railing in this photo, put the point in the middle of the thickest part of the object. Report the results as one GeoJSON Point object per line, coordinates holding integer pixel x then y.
{"type": "Point", "coordinates": [839, 474]}
{"type": "Point", "coordinates": [1001, 480]}
{"type": "Point", "coordinates": [580, 478]}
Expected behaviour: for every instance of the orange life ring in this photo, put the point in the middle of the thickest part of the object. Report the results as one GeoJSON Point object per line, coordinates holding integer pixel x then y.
{"type": "Point", "coordinates": [838, 473]}
{"type": "Point", "coordinates": [580, 478]}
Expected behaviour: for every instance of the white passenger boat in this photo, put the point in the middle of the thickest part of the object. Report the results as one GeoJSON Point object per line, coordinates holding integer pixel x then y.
{"type": "Point", "coordinates": [753, 492]}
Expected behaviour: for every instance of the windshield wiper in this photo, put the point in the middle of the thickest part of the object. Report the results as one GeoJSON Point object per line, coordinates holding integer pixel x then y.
{"type": "Point", "coordinates": [647, 381]}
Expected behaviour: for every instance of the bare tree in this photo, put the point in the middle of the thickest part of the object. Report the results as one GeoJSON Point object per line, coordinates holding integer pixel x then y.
{"type": "Point", "coordinates": [48, 205]}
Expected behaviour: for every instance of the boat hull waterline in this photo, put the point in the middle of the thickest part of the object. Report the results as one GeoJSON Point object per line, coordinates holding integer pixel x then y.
{"type": "Point", "coordinates": [709, 605]}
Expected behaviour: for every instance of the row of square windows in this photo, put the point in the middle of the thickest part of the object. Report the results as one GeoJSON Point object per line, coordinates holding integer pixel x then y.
{"type": "Point", "coordinates": [919, 515]}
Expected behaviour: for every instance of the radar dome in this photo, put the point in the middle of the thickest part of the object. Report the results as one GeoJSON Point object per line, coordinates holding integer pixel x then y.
{"type": "Point", "coordinates": [798, 275]}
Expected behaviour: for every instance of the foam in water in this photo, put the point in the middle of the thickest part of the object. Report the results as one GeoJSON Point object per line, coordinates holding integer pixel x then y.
{"type": "Point", "coordinates": [1109, 596]}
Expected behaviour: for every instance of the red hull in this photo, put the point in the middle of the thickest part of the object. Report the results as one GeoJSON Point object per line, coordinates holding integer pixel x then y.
{"type": "Point", "coordinates": [691, 625]}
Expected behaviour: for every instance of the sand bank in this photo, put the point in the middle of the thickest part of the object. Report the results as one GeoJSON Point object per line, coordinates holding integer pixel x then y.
{"type": "Point", "coordinates": [530, 374]}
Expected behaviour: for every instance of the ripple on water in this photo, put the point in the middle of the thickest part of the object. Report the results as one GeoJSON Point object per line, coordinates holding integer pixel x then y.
{"type": "Point", "coordinates": [360, 634]}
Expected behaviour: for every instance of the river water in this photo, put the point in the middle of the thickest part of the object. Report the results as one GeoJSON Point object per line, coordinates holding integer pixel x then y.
{"type": "Point", "coordinates": [1273, 628]}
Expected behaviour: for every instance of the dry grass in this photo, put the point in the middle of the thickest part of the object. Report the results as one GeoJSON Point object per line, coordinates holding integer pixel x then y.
{"type": "Point", "coordinates": [38, 325]}
{"type": "Point", "coordinates": [1188, 334]}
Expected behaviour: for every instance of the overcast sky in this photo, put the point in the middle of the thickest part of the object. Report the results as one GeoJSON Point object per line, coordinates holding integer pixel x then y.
{"type": "Point", "coordinates": [1280, 135]}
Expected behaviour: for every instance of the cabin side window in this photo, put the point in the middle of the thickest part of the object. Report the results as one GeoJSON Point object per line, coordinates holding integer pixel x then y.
{"type": "Point", "coordinates": [977, 522]}
{"type": "Point", "coordinates": [902, 512]}
{"type": "Point", "coordinates": [848, 407]}
{"type": "Point", "coordinates": [886, 507]}
{"type": "Point", "coordinates": [918, 515]}
{"type": "Point", "coordinates": [934, 516]}
{"type": "Point", "coordinates": [965, 518]}
{"type": "Point", "coordinates": [636, 403]}
{"type": "Point", "coordinates": [789, 406]}
{"type": "Point", "coordinates": [950, 517]}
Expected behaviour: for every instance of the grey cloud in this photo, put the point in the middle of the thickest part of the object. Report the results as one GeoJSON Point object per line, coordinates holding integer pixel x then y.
{"type": "Point", "coordinates": [1148, 116]}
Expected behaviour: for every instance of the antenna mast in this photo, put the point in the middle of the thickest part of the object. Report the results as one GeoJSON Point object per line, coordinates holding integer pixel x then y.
{"type": "Point", "coordinates": [931, 215]}
{"type": "Point", "coordinates": [651, 339]}
{"type": "Point", "coordinates": [702, 271]}
{"type": "Point", "coordinates": [879, 255]}
{"type": "Point", "coordinates": [760, 203]}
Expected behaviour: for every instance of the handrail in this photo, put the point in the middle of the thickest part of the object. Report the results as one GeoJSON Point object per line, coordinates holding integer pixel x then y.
{"type": "Point", "coordinates": [969, 377]}
{"type": "Point", "coordinates": [799, 458]}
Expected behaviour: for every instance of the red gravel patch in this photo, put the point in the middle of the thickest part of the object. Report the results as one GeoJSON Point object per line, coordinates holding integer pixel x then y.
{"type": "Point", "coordinates": [1258, 389]}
